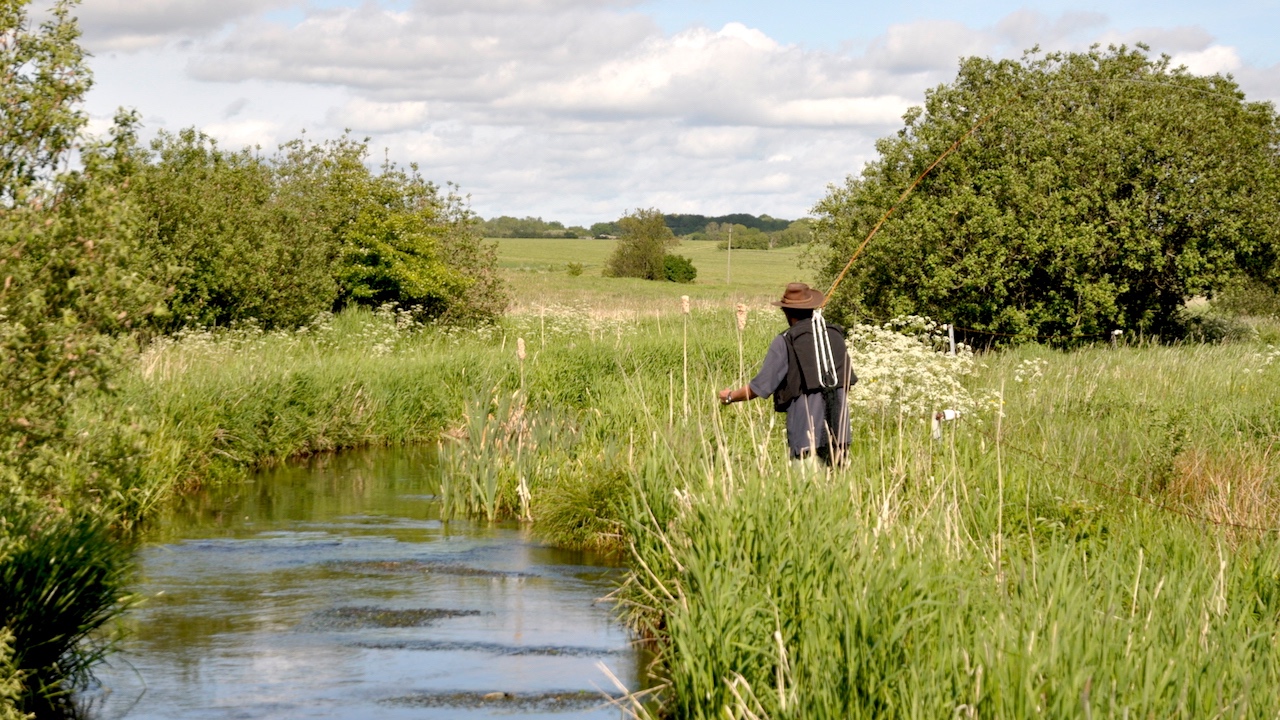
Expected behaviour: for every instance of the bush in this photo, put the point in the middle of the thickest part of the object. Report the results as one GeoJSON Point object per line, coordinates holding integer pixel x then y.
{"type": "Point", "coordinates": [574, 269]}
{"type": "Point", "coordinates": [642, 246]}
{"type": "Point", "coordinates": [229, 238]}
{"type": "Point", "coordinates": [1251, 297]}
{"type": "Point", "coordinates": [677, 268]}
{"type": "Point", "coordinates": [277, 239]}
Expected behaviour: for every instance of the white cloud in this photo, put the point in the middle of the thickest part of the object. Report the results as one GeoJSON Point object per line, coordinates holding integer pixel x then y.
{"type": "Point", "coordinates": [135, 24]}
{"type": "Point", "coordinates": [1211, 60]}
{"type": "Point", "coordinates": [245, 133]}
{"type": "Point", "coordinates": [378, 117]}
{"type": "Point", "coordinates": [570, 109]}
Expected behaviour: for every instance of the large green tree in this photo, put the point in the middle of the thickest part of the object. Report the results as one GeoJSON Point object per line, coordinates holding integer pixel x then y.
{"type": "Point", "coordinates": [1099, 190]}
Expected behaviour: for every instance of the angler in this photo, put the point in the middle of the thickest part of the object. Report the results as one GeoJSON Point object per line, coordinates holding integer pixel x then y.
{"type": "Point", "coordinates": [806, 370]}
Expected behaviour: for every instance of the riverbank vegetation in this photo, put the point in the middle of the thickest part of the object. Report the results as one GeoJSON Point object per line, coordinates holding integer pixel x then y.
{"type": "Point", "coordinates": [1094, 514]}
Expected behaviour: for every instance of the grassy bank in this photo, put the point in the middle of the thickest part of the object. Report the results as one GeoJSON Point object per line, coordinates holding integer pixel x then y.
{"type": "Point", "coordinates": [1096, 535]}
{"type": "Point", "coordinates": [1081, 541]}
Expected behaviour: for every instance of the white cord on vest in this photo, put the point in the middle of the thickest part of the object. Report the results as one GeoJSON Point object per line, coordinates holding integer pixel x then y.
{"type": "Point", "coordinates": [822, 349]}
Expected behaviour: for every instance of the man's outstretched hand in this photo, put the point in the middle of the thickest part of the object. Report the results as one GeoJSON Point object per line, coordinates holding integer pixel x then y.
{"type": "Point", "coordinates": [730, 395]}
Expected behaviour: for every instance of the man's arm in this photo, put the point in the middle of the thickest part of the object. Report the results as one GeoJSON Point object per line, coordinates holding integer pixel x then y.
{"type": "Point", "coordinates": [732, 395]}
{"type": "Point", "coordinates": [772, 372]}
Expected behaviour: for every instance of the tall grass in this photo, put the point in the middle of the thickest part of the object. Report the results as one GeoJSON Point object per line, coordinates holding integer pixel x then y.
{"type": "Point", "coordinates": [11, 688]}
{"type": "Point", "coordinates": [62, 580]}
{"type": "Point", "coordinates": [1080, 542]}
{"type": "Point", "coordinates": [1084, 541]}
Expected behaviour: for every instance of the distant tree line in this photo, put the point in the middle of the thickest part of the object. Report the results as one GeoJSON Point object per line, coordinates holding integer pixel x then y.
{"type": "Point", "coordinates": [506, 226]}
{"type": "Point", "coordinates": [742, 237]}
{"type": "Point", "coordinates": [691, 227]}
{"type": "Point", "coordinates": [684, 225]}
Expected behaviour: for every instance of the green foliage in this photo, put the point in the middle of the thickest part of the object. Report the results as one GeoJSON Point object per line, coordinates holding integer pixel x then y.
{"type": "Point", "coordinates": [69, 263]}
{"type": "Point", "coordinates": [799, 232]}
{"type": "Point", "coordinates": [62, 579]}
{"type": "Point", "coordinates": [238, 236]}
{"type": "Point", "coordinates": [392, 250]}
{"type": "Point", "coordinates": [11, 688]}
{"type": "Point", "coordinates": [678, 268]}
{"type": "Point", "coordinates": [689, 224]}
{"type": "Point", "coordinates": [742, 237]}
{"type": "Point", "coordinates": [506, 226]}
{"type": "Point", "coordinates": [1251, 297]}
{"type": "Point", "coordinates": [43, 77]}
{"type": "Point", "coordinates": [642, 246]}
{"type": "Point", "coordinates": [574, 269]}
{"type": "Point", "coordinates": [228, 241]}
{"type": "Point", "coordinates": [603, 229]}
{"type": "Point", "coordinates": [1106, 189]}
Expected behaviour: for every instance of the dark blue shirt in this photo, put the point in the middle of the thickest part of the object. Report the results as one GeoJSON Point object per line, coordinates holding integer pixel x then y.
{"type": "Point", "coordinates": [806, 415]}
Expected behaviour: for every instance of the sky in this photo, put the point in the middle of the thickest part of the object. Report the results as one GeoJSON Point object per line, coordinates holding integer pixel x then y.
{"type": "Point", "coordinates": [581, 110]}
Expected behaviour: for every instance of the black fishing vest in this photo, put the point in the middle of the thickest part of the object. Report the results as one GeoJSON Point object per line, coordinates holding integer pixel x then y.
{"type": "Point", "coordinates": [802, 363]}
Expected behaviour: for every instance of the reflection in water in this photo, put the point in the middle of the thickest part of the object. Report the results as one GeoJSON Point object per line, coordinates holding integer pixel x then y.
{"type": "Point", "coordinates": [332, 589]}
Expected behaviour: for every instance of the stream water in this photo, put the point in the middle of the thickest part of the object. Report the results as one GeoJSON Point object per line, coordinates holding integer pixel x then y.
{"type": "Point", "coordinates": [332, 589]}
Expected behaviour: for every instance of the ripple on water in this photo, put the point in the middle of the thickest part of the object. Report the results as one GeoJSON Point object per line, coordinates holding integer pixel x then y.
{"type": "Point", "coordinates": [363, 617]}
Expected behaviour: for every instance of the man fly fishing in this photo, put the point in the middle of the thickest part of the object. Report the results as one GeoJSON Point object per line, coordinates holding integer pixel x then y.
{"type": "Point", "coordinates": [806, 370]}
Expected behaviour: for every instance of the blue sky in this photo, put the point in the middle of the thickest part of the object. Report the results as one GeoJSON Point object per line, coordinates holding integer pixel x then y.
{"type": "Point", "coordinates": [579, 110]}
{"type": "Point", "coordinates": [1251, 25]}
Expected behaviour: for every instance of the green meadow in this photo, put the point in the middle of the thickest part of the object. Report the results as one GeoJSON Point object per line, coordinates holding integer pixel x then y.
{"type": "Point", "coordinates": [537, 272]}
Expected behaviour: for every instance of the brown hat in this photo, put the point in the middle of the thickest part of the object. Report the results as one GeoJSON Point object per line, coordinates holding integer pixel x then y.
{"type": "Point", "coordinates": [800, 296]}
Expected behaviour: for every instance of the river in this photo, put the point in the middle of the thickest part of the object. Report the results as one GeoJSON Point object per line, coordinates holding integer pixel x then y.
{"type": "Point", "coordinates": [331, 589]}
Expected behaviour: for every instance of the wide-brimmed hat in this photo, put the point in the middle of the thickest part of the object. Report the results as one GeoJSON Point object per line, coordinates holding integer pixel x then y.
{"type": "Point", "coordinates": [800, 296]}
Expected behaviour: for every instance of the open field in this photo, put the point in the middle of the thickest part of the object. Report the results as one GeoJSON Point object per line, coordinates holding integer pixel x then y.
{"type": "Point", "coordinates": [537, 271]}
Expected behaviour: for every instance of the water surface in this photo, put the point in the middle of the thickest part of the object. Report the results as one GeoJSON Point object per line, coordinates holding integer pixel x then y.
{"type": "Point", "coordinates": [332, 589]}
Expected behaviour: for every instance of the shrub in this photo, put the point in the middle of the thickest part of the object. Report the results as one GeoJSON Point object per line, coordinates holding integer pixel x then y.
{"type": "Point", "coordinates": [677, 268]}
{"type": "Point", "coordinates": [227, 239]}
{"type": "Point", "coordinates": [1251, 297]}
{"type": "Point", "coordinates": [68, 250]}
{"type": "Point", "coordinates": [574, 269]}
{"type": "Point", "coordinates": [642, 246]}
{"type": "Point", "coordinates": [277, 239]}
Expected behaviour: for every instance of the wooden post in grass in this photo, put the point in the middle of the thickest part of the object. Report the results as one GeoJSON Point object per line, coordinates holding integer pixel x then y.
{"type": "Point", "coordinates": [728, 258]}
{"type": "Point", "coordinates": [684, 309]}
{"type": "Point", "coordinates": [520, 356]}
